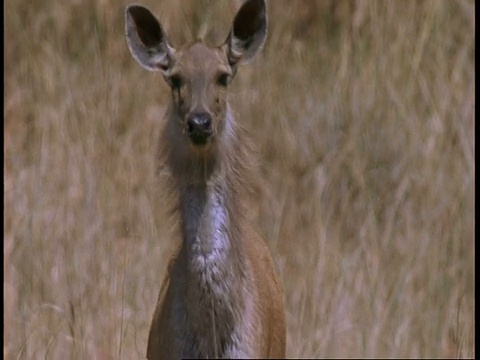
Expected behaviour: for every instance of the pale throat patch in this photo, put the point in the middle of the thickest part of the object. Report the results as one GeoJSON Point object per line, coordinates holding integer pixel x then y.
{"type": "Point", "coordinates": [209, 241]}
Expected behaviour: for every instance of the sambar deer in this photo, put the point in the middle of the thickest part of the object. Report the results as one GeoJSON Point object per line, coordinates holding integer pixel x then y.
{"type": "Point", "coordinates": [221, 297]}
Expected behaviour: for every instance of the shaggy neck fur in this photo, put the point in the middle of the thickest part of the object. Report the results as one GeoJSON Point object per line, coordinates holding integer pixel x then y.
{"type": "Point", "coordinates": [210, 269]}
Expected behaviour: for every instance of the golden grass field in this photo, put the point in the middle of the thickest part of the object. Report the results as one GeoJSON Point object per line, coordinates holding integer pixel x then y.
{"type": "Point", "coordinates": [362, 113]}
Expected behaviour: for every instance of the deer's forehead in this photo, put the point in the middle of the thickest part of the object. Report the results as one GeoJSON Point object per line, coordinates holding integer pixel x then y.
{"type": "Point", "coordinates": [200, 59]}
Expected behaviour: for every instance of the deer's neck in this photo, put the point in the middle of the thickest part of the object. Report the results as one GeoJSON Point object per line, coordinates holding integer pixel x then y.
{"type": "Point", "coordinates": [209, 206]}
{"type": "Point", "coordinates": [210, 267]}
{"type": "Point", "coordinates": [207, 226]}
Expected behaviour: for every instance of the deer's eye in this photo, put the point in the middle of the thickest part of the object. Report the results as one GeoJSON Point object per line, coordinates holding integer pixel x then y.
{"type": "Point", "coordinates": [222, 79]}
{"type": "Point", "coordinates": [175, 82]}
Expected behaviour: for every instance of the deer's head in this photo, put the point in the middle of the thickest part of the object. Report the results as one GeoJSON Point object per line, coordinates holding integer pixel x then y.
{"type": "Point", "coordinates": [197, 74]}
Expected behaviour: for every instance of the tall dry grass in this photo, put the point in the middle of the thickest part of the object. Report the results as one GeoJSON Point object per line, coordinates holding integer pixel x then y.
{"type": "Point", "coordinates": [363, 116]}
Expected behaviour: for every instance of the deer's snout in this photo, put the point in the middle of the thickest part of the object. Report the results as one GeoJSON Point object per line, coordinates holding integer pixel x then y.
{"type": "Point", "coordinates": [199, 128]}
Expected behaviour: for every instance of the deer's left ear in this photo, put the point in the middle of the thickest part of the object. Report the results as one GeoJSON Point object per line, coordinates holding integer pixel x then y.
{"type": "Point", "coordinates": [248, 33]}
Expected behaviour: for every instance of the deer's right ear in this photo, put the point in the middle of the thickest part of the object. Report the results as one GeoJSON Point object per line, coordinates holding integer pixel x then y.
{"type": "Point", "coordinates": [146, 39]}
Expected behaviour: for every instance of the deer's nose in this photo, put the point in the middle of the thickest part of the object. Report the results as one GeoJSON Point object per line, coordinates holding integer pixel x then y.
{"type": "Point", "coordinates": [199, 128]}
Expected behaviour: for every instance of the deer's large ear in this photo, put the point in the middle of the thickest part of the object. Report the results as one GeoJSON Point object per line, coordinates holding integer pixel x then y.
{"type": "Point", "coordinates": [146, 39]}
{"type": "Point", "coordinates": [248, 33]}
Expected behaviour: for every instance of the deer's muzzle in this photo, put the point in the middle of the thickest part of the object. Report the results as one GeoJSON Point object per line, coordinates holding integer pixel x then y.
{"type": "Point", "coordinates": [199, 128]}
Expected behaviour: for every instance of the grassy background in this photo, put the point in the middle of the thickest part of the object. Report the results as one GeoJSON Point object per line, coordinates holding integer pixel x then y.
{"type": "Point", "coordinates": [363, 117]}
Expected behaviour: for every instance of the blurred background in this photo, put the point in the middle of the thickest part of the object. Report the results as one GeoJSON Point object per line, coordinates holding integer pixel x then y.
{"type": "Point", "coordinates": [362, 114]}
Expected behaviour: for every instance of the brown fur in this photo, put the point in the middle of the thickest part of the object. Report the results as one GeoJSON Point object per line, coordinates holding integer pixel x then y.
{"type": "Point", "coordinates": [221, 296]}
